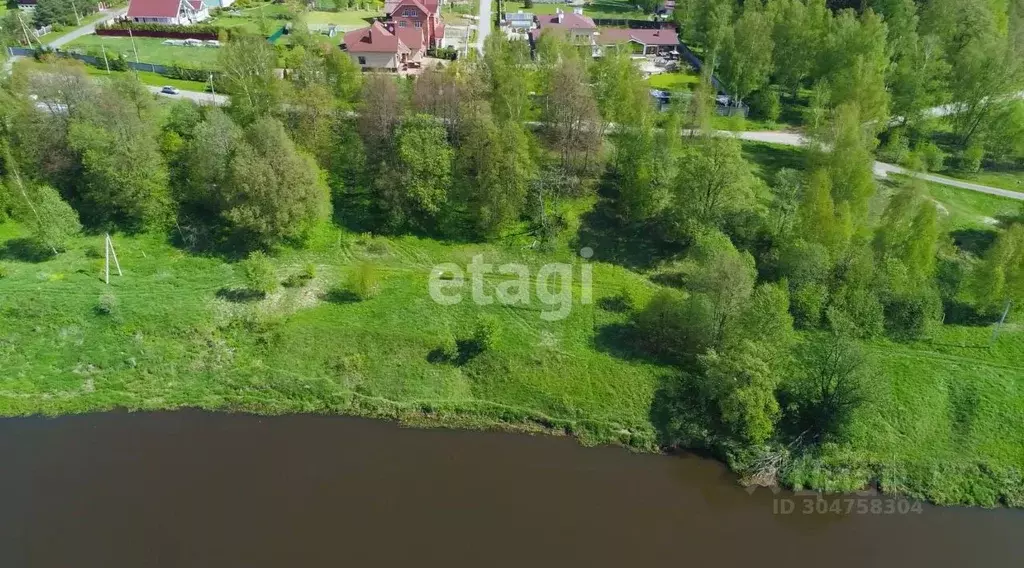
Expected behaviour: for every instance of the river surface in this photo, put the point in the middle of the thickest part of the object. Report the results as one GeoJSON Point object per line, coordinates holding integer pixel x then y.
{"type": "Point", "coordinates": [197, 489]}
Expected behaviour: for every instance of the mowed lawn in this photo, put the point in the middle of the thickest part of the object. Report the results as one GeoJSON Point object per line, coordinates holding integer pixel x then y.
{"type": "Point", "coordinates": [616, 9]}
{"type": "Point", "coordinates": [345, 18]}
{"type": "Point", "coordinates": [673, 82]}
{"type": "Point", "coordinates": [1005, 179]}
{"type": "Point", "coordinates": [151, 50]}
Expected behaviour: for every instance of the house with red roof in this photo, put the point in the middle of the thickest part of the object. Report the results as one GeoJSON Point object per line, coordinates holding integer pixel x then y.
{"type": "Point", "coordinates": [574, 26]}
{"type": "Point", "coordinates": [643, 42]}
{"type": "Point", "coordinates": [384, 46]}
{"type": "Point", "coordinates": [171, 12]}
{"type": "Point", "coordinates": [408, 30]}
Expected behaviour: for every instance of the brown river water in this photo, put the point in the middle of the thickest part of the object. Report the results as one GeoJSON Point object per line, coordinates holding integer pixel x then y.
{"type": "Point", "coordinates": [199, 489]}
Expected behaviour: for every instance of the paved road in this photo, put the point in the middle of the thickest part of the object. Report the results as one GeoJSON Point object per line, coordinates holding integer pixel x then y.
{"type": "Point", "coordinates": [85, 30]}
{"type": "Point", "coordinates": [484, 25]}
{"type": "Point", "coordinates": [881, 169]}
{"type": "Point", "coordinates": [195, 96]}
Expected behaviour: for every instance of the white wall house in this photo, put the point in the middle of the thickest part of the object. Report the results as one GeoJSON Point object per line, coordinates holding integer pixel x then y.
{"type": "Point", "coordinates": [171, 12]}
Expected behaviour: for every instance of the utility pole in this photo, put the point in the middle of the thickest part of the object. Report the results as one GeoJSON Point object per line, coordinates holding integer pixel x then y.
{"type": "Point", "coordinates": [136, 51]}
{"type": "Point", "coordinates": [105, 62]}
{"type": "Point", "coordinates": [999, 325]}
{"type": "Point", "coordinates": [213, 91]}
{"type": "Point", "coordinates": [24, 29]}
{"type": "Point", "coordinates": [75, 9]}
{"type": "Point", "coordinates": [108, 246]}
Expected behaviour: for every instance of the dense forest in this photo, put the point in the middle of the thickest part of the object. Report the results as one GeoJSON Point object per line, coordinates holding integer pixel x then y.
{"type": "Point", "coordinates": [768, 284]}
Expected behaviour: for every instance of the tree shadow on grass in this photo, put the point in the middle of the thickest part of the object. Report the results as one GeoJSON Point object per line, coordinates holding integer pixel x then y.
{"type": "Point", "coordinates": [467, 350]}
{"type": "Point", "coordinates": [633, 245]}
{"type": "Point", "coordinates": [974, 241]}
{"type": "Point", "coordinates": [25, 250]}
{"type": "Point", "coordinates": [341, 296]}
{"type": "Point", "coordinates": [240, 295]}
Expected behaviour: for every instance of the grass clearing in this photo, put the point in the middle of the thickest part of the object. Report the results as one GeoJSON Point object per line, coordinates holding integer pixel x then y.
{"type": "Point", "coordinates": [151, 50]}
{"type": "Point", "coordinates": [176, 341]}
{"type": "Point", "coordinates": [1012, 180]}
{"type": "Point", "coordinates": [607, 9]}
{"type": "Point", "coordinates": [348, 18]}
{"type": "Point", "coordinates": [673, 82]}
{"type": "Point", "coordinates": [151, 79]}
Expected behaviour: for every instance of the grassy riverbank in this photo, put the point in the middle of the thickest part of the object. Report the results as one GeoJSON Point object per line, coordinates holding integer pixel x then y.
{"type": "Point", "coordinates": [942, 422]}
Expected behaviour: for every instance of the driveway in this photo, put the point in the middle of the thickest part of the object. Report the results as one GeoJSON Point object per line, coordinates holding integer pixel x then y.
{"type": "Point", "coordinates": [87, 29]}
{"type": "Point", "coordinates": [194, 96]}
{"type": "Point", "coordinates": [484, 25]}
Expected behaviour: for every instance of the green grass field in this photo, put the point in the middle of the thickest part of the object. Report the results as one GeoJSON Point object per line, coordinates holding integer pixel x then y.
{"type": "Point", "coordinates": [151, 79]}
{"type": "Point", "coordinates": [345, 18]}
{"type": "Point", "coordinates": [617, 9]}
{"type": "Point", "coordinates": [673, 82]}
{"type": "Point", "coordinates": [151, 50]}
{"type": "Point", "coordinates": [1005, 179]}
{"type": "Point", "coordinates": [175, 342]}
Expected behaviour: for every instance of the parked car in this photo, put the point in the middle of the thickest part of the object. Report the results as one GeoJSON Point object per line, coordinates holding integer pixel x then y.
{"type": "Point", "coordinates": [169, 90]}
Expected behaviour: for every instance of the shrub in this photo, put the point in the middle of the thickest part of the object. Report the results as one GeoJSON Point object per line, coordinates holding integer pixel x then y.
{"type": "Point", "coordinates": [767, 105]}
{"type": "Point", "coordinates": [856, 312]}
{"type": "Point", "coordinates": [301, 278]}
{"type": "Point", "coordinates": [932, 157]}
{"type": "Point", "coordinates": [3, 271]}
{"type": "Point", "coordinates": [970, 160]}
{"type": "Point", "coordinates": [258, 272]}
{"type": "Point", "coordinates": [485, 333]}
{"type": "Point", "coordinates": [107, 305]}
{"type": "Point", "coordinates": [910, 316]}
{"type": "Point", "coordinates": [807, 304]}
{"type": "Point", "coordinates": [449, 347]}
{"type": "Point", "coordinates": [364, 280]}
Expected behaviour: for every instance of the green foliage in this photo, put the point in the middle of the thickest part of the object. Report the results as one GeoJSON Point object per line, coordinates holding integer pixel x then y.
{"type": "Point", "coordinates": [742, 385]}
{"type": "Point", "coordinates": [747, 57]}
{"type": "Point", "coordinates": [713, 180]}
{"type": "Point", "coordinates": [184, 29]}
{"type": "Point", "coordinates": [363, 280]}
{"type": "Point", "coordinates": [247, 66]}
{"type": "Point", "coordinates": [486, 333]}
{"type": "Point", "coordinates": [825, 395]}
{"type": "Point", "coordinates": [417, 183]}
{"type": "Point", "coordinates": [54, 221]}
{"type": "Point", "coordinates": [999, 278]}
{"type": "Point", "coordinates": [273, 193]}
{"type": "Point", "coordinates": [108, 305]}
{"type": "Point", "coordinates": [259, 273]}
{"type": "Point", "coordinates": [124, 177]}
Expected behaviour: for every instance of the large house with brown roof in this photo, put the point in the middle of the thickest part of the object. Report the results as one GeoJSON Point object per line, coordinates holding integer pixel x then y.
{"type": "Point", "coordinates": [172, 12]}
{"type": "Point", "coordinates": [574, 26]}
{"type": "Point", "coordinates": [643, 41]}
{"type": "Point", "coordinates": [411, 27]}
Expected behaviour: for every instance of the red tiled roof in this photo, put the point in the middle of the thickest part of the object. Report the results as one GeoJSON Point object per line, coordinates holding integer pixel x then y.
{"type": "Point", "coordinates": [377, 39]}
{"type": "Point", "coordinates": [153, 8]}
{"type": "Point", "coordinates": [664, 36]}
{"type": "Point", "coordinates": [411, 37]}
{"type": "Point", "coordinates": [571, 21]}
{"type": "Point", "coordinates": [425, 6]}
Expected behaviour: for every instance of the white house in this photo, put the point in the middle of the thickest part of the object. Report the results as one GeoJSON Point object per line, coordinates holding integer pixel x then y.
{"type": "Point", "coordinates": [172, 12]}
